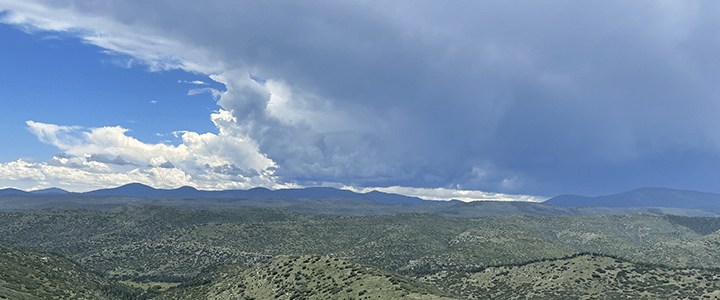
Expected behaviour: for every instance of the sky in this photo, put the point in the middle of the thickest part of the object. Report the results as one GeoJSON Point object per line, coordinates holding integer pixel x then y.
{"type": "Point", "coordinates": [515, 100]}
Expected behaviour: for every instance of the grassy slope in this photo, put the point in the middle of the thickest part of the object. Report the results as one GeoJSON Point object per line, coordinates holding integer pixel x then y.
{"type": "Point", "coordinates": [303, 277]}
{"type": "Point", "coordinates": [26, 275]}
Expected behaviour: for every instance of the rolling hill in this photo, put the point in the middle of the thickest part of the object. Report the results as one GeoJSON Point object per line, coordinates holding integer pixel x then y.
{"type": "Point", "coordinates": [583, 276]}
{"type": "Point", "coordinates": [302, 277]}
{"type": "Point", "coordinates": [32, 276]}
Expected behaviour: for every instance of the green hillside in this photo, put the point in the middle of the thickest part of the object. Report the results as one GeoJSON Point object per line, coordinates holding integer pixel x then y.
{"type": "Point", "coordinates": [25, 275]}
{"type": "Point", "coordinates": [152, 247]}
{"type": "Point", "coordinates": [173, 245]}
{"type": "Point", "coordinates": [580, 277]}
{"type": "Point", "coordinates": [303, 277]}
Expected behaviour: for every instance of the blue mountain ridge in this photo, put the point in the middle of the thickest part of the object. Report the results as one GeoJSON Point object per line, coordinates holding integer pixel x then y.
{"type": "Point", "coordinates": [48, 191]}
{"type": "Point", "coordinates": [12, 192]}
{"type": "Point", "coordinates": [643, 197]}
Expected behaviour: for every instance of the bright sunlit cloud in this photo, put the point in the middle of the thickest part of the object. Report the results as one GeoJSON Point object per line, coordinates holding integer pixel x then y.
{"type": "Point", "coordinates": [443, 194]}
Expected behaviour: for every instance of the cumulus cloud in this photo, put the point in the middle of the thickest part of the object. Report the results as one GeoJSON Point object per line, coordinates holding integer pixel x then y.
{"type": "Point", "coordinates": [199, 161]}
{"type": "Point", "coordinates": [512, 96]}
{"type": "Point", "coordinates": [80, 176]}
{"type": "Point", "coordinates": [20, 170]}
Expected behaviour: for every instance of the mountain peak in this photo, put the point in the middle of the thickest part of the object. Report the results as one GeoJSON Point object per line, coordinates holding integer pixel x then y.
{"type": "Point", "coordinates": [12, 191]}
{"type": "Point", "coordinates": [50, 191]}
{"type": "Point", "coordinates": [134, 185]}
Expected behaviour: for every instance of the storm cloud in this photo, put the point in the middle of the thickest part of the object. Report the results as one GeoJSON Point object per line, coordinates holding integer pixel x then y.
{"type": "Point", "coordinates": [530, 97]}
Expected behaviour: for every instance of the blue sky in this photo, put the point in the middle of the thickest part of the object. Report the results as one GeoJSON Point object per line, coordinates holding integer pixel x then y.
{"type": "Point", "coordinates": [465, 99]}
{"type": "Point", "coordinates": [58, 79]}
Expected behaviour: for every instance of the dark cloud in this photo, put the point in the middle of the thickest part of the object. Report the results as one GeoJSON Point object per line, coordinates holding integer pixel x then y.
{"type": "Point", "coordinates": [504, 97]}
{"type": "Point", "coordinates": [232, 170]}
{"type": "Point", "coordinates": [62, 155]}
{"type": "Point", "coordinates": [167, 165]}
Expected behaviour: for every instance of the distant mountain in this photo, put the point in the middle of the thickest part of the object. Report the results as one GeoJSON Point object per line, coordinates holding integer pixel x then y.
{"type": "Point", "coordinates": [50, 191]}
{"type": "Point", "coordinates": [12, 192]}
{"type": "Point", "coordinates": [311, 193]}
{"type": "Point", "coordinates": [639, 198]}
{"type": "Point", "coordinates": [141, 190]}
{"type": "Point", "coordinates": [643, 197]}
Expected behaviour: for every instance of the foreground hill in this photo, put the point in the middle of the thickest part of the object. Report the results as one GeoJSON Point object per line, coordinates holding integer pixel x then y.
{"type": "Point", "coordinates": [644, 197]}
{"type": "Point", "coordinates": [302, 277]}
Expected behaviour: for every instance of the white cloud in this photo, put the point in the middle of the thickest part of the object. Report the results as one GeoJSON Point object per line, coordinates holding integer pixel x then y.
{"type": "Point", "coordinates": [449, 194]}
{"type": "Point", "coordinates": [159, 162]}
{"type": "Point", "coordinates": [195, 162]}
{"type": "Point", "coordinates": [20, 170]}
{"type": "Point", "coordinates": [77, 175]}
{"type": "Point", "coordinates": [59, 136]}
{"type": "Point", "coordinates": [198, 82]}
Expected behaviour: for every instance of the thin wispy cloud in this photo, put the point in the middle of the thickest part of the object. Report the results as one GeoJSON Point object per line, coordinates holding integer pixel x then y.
{"type": "Point", "coordinates": [215, 93]}
{"type": "Point", "coordinates": [198, 82]}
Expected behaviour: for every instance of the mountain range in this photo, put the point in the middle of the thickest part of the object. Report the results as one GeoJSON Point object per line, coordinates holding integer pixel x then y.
{"type": "Point", "coordinates": [642, 197]}
{"type": "Point", "coordinates": [259, 193]}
